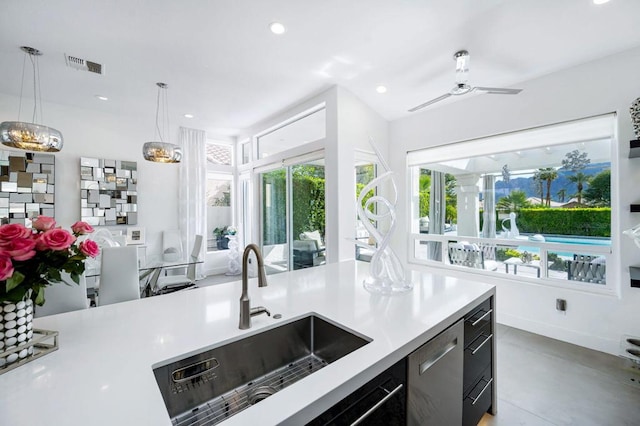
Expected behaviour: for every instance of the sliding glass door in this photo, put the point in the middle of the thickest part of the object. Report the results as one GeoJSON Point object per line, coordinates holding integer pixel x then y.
{"type": "Point", "coordinates": [275, 213]}
{"type": "Point", "coordinates": [293, 216]}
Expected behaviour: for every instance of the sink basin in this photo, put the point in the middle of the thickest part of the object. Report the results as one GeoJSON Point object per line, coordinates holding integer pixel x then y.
{"type": "Point", "coordinates": [213, 385]}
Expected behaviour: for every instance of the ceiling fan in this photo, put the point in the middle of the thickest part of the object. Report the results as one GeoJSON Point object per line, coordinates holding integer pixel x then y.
{"type": "Point", "coordinates": [462, 88]}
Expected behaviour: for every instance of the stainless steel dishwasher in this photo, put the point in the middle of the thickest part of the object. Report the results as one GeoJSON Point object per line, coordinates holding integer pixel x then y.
{"type": "Point", "coordinates": [434, 380]}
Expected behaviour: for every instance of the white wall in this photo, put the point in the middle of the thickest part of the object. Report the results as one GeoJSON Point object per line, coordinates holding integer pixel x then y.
{"type": "Point", "coordinates": [89, 133]}
{"type": "Point", "coordinates": [603, 86]}
{"type": "Point", "coordinates": [357, 122]}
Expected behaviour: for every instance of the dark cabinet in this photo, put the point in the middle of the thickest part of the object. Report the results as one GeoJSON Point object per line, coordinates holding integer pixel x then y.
{"type": "Point", "coordinates": [478, 363]}
{"type": "Point", "coordinates": [381, 402]}
{"type": "Point", "coordinates": [446, 381]}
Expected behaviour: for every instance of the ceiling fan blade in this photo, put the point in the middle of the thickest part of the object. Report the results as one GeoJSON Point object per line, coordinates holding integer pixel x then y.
{"type": "Point", "coordinates": [432, 101]}
{"type": "Point", "coordinates": [498, 90]}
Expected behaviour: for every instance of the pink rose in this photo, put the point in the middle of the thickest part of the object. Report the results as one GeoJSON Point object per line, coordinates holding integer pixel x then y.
{"type": "Point", "coordinates": [20, 248]}
{"type": "Point", "coordinates": [81, 228]}
{"type": "Point", "coordinates": [12, 231]}
{"type": "Point", "coordinates": [89, 248]}
{"type": "Point", "coordinates": [43, 223]}
{"type": "Point", "coordinates": [55, 239]}
{"type": "Point", "coordinates": [6, 267]}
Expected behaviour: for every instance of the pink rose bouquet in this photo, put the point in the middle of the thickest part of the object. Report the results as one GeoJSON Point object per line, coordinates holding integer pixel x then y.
{"type": "Point", "coordinates": [33, 258]}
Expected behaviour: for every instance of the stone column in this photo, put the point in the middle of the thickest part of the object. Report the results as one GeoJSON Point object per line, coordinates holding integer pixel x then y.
{"type": "Point", "coordinates": [467, 191]}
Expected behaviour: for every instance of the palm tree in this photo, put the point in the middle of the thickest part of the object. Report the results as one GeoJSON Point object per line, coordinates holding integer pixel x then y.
{"type": "Point", "coordinates": [513, 202]}
{"type": "Point", "coordinates": [562, 194]}
{"type": "Point", "coordinates": [579, 179]}
{"type": "Point", "coordinates": [537, 182]}
{"type": "Point", "coordinates": [548, 174]}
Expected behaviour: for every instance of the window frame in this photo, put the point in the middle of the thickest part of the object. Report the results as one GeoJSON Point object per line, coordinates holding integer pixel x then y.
{"type": "Point", "coordinates": [525, 139]}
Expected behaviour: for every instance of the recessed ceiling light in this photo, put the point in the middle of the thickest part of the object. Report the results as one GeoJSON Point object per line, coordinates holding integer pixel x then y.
{"type": "Point", "coordinates": [277, 28]}
{"type": "Point", "coordinates": [381, 89]}
{"type": "Point", "coordinates": [188, 116]}
{"type": "Point", "coordinates": [600, 1]}
{"type": "Point", "coordinates": [102, 98]}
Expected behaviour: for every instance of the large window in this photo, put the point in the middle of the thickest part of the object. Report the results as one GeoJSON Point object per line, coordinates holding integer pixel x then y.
{"type": "Point", "coordinates": [219, 211]}
{"type": "Point", "coordinates": [307, 127]}
{"type": "Point", "coordinates": [540, 211]}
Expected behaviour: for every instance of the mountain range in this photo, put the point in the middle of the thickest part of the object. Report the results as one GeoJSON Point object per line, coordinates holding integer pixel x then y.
{"type": "Point", "coordinates": [528, 185]}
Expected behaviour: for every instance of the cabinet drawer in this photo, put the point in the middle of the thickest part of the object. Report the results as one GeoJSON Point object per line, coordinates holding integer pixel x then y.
{"type": "Point", "coordinates": [476, 320]}
{"type": "Point", "coordinates": [477, 356]}
{"type": "Point", "coordinates": [478, 400]}
{"type": "Point", "coordinates": [383, 398]}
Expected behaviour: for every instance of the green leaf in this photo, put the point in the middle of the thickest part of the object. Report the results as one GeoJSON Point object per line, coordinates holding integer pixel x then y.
{"type": "Point", "coordinates": [40, 297]}
{"type": "Point", "coordinates": [14, 280]}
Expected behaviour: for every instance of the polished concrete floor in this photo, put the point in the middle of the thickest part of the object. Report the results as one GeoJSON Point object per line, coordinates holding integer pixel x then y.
{"type": "Point", "coordinates": [547, 382]}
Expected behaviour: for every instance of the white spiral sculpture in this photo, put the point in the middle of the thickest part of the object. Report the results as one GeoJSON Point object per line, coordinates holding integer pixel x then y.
{"type": "Point", "coordinates": [634, 234]}
{"type": "Point", "coordinates": [387, 273]}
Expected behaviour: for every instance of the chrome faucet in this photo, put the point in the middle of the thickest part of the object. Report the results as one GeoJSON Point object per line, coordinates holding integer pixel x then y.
{"type": "Point", "coordinates": [246, 312]}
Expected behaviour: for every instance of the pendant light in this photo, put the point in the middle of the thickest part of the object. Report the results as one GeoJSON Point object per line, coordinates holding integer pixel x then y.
{"type": "Point", "coordinates": [162, 152]}
{"type": "Point", "coordinates": [31, 136]}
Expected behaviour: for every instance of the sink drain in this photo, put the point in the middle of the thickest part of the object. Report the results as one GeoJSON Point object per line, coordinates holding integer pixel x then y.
{"type": "Point", "coordinates": [260, 393]}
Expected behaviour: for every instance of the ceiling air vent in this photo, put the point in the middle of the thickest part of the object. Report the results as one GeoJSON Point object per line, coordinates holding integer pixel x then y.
{"type": "Point", "coordinates": [83, 64]}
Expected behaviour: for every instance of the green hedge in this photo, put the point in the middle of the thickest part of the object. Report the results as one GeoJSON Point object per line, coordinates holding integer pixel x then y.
{"type": "Point", "coordinates": [308, 206]}
{"type": "Point", "coordinates": [588, 222]}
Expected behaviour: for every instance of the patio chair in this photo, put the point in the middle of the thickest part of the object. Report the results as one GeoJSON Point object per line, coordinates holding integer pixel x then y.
{"type": "Point", "coordinates": [308, 251]}
{"type": "Point", "coordinates": [469, 255]}
{"type": "Point", "coordinates": [590, 269]}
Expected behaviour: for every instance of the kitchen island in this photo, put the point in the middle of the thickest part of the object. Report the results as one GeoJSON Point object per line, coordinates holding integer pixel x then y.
{"type": "Point", "coordinates": [103, 372]}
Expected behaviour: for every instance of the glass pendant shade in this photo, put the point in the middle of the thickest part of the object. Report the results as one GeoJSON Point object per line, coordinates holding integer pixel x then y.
{"type": "Point", "coordinates": [30, 137]}
{"type": "Point", "coordinates": [162, 152]}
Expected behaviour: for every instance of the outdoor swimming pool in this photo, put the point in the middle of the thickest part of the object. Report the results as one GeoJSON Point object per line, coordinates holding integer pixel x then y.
{"type": "Point", "coordinates": [578, 240]}
{"type": "Point", "coordinates": [565, 239]}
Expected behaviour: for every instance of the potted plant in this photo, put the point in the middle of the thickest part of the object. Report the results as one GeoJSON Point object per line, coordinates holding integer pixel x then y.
{"type": "Point", "coordinates": [222, 242]}
{"type": "Point", "coordinates": [33, 258]}
{"type": "Point", "coordinates": [30, 260]}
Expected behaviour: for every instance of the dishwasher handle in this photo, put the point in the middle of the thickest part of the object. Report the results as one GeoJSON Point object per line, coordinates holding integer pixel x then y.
{"type": "Point", "coordinates": [424, 366]}
{"type": "Point", "coordinates": [377, 405]}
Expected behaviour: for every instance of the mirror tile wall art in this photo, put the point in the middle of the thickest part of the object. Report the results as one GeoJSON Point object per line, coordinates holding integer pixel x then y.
{"type": "Point", "coordinates": [26, 186]}
{"type": "Point", "coordinates": [108, 193]}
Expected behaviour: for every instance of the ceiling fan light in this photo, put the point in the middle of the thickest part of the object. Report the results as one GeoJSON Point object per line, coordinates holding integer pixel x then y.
{"type": "Point", "coordinates": [30, 136]}
{"type": "Point", "coordinates": [162, 152]}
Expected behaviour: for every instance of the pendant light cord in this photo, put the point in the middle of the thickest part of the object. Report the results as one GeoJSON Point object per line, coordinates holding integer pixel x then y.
{"type": "Point", "coordinates": [162, 93]}
{"type": "Point", "coordinates": [37, 72]}
{"type": "Point", "coordinates": [35, 89]}
{"type": "Point", "coordinates": [157, 113]}
{"type": "Point", "coordinates": [24, 64]}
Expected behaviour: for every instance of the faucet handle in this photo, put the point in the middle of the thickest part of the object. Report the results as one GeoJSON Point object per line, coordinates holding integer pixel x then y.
{"type": "Point", "coordinates": [259, 310]}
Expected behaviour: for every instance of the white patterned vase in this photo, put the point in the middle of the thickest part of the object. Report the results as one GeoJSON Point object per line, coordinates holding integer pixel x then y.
{"type": "Point", "coordinates": [234, 256]}
{"type": "Point", "coordinates": [16, 331]}
{"type": "Point", "coordinates": [635, 117]}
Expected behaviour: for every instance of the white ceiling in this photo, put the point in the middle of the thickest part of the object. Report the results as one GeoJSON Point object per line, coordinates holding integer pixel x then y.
{"type": "Point", "coordinates": [224, 66]}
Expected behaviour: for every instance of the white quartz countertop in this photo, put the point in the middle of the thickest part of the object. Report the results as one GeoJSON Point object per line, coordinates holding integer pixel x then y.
{"type": "Point", "coordinates": [102, 373]}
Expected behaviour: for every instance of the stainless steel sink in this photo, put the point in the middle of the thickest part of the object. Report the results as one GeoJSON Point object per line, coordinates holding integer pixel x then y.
{"type": "Point", "coordinates": [211, 386]}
